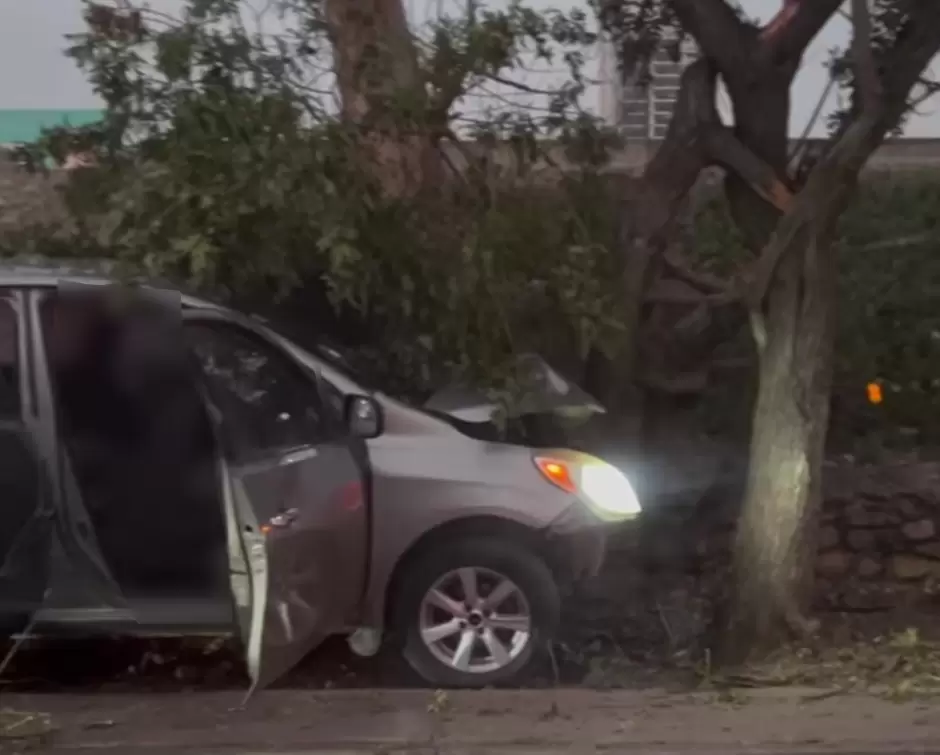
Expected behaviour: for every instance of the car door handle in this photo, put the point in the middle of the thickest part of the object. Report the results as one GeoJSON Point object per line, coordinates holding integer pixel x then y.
{"type": "Point", "coordinates": [298, 456]}
{"type": "Point", "coordinates": [283, 519]}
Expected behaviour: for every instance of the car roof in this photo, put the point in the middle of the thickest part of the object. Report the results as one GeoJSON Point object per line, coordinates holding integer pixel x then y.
{"type": "Point", "coordinates": [101, 273]}
{"type": "Point", "coordinates": [92, 273]}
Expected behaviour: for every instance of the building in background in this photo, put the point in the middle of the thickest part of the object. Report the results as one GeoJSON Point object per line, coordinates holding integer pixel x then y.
{"type": "Point", "coordinates": [20, 126]}
{"type": "Point", "coordinates": [640, 103]}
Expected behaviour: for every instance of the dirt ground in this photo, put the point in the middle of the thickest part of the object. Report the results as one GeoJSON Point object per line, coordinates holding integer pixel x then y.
{"type": "Point", "coordinates": [851, 691]}
{"type": "Point", "coordinates": [418, 721]}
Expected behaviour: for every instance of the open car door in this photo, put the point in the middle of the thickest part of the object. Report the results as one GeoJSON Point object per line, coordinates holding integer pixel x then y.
{"type": "Point", "coordinates": [26, 503]}
{"type": "Point", "coordinates": [293, 493]}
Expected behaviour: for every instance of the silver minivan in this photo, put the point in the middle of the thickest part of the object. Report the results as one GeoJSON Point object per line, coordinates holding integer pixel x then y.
{"type": "Point", "coordinates": [169, 466]}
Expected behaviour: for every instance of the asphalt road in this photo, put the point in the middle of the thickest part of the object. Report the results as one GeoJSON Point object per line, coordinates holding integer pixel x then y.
{"type": "Point", "coordinates": [475, 750]}
{"type": "Point", "coordinates": [488, 722]}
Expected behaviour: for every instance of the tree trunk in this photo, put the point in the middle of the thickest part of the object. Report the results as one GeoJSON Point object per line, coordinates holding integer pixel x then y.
{"type": "Point", "coordinates": [775, 543]}
{"type": "Point", "coordinates": [792, 285]}
{"type": "Point", "coordinates": [793, 334]}
{"type": "Point", "coordinates": [794, 330]}
{"type": "Point", "coordinates": [382, 93]}
{"type": "Point", "coordinates": [647, 225]}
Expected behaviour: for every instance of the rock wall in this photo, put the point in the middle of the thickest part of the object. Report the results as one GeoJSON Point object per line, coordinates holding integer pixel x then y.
{"type": "Point", "coordinates": [879, 545]}
{"type": "Point", "coordinates": [879, 550]}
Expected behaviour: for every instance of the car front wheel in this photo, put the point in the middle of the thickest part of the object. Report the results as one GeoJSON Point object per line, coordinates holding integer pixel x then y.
{"type": "Point", "coordinates": [474, 612]}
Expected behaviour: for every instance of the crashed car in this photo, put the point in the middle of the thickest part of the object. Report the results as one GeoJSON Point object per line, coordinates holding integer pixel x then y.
{"type": "Point", "coordinates": [171, 467]}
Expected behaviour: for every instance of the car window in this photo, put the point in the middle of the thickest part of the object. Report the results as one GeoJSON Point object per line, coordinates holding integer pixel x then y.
{"type": "Point", "coordinates": [266, 401]}
{"type": "Point", "coordinates": [9, 363]}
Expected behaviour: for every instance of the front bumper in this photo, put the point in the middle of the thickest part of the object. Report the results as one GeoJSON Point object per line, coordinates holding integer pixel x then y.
{"type": "Point", "coordinates": [577, 542]}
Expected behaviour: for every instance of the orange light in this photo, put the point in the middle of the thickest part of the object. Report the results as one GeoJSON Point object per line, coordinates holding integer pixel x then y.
{"type": "Point", "coordinates": [875, 395]}
{"type": "Point", "coordinates": [557, 473]}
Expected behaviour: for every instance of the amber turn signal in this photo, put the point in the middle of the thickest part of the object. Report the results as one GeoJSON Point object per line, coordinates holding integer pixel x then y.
{"type": "Point", "coordinates": [557, 472]}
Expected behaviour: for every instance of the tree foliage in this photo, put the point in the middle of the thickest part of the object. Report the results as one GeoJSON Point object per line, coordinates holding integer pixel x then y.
{"type": "Point", "coordinates": [890, 323]}
{"type": "Point", "coordinates": [222, 162]}
{"type": "Point", "coordinates": [888, 317]}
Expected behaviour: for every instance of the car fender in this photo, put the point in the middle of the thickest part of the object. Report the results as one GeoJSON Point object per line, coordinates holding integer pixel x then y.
{"type": "Point", "coordinates": [418, 494]}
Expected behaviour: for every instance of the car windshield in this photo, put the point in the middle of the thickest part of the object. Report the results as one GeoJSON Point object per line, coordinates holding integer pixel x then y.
{"type": "Point", "coordinates": [337, 361]}
{"type": "Point", "coordinates": [336, 358]}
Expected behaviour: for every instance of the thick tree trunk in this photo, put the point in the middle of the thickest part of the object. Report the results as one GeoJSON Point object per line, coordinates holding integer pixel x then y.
{"type": "Point", "coordinates": [382, 93]}
{"type": "Point", "coordinates": [775, 541]}
{"type": "Point", "coordinates": [794, 332]}
{"type": "Point", "coordinates": [791, 287]}
{"type": "Point", "coordinates": [791, 409]}
{"type": "Point", "coordinates": [647, 225]}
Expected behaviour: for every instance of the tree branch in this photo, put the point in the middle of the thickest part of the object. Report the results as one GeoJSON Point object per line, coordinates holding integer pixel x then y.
{"type": "Point", "coordinates": [722, 36]}
{"type": "Point", "coordinates": [520, 85]}
{"type": "Point", "coordinates": [726, 150]}
{"type": "Point", "coordinates": [905, 65]}
{"type": "Point", "coordinates": [867, 82]}
{"type": "Point", "coordinates": [797, 22]}
{"type": "Point", "coordinates": [917, 45]}
{"type": "Point", "coordinates": [930, 88]}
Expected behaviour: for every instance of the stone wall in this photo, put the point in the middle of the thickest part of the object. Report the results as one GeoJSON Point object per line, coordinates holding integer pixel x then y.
{"type": "Point", "coordinates": [880, 526]}
{"type": "Point", "coordinates": [879, 550]}
{"type": "Point", "coordinates": [880, 538]}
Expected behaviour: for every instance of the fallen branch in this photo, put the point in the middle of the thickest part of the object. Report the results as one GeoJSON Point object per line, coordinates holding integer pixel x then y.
{"type": "Point", "coordinates": [19, 725]}
{"type": "Point", "coordinates": [898, 243]}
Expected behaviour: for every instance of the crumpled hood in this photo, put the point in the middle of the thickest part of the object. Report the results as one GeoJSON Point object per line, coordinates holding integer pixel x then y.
{"type": "Point", "coordinates": [543, 391]}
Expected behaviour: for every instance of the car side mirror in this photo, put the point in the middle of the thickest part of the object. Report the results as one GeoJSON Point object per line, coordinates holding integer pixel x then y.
{"type": "Point", "coordinates": [363, 417]}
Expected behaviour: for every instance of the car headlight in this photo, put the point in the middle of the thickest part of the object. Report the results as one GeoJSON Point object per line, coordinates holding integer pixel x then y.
{"type": "Point", "coordinates": [598, 483]}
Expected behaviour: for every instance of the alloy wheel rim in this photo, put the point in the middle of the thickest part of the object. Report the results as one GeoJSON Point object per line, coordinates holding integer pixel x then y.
{"type": "Point", "coordinates": [475, 620]}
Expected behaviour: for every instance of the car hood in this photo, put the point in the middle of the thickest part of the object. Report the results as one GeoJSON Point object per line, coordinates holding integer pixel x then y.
{"type": "Point", "coordinates": [542, 391]}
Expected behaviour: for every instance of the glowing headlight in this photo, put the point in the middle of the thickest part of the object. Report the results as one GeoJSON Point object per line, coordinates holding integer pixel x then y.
{"type": "Point", "coordinates": [609, 489]}
{"type": "Point", "coordinates": [596, 482]}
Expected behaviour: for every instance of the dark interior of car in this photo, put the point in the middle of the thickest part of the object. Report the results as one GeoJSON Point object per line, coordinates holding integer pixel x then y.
{"type": "Point", "coordinates": [24, 543]}
{"type": "Point", "coordinates": [140, 443]}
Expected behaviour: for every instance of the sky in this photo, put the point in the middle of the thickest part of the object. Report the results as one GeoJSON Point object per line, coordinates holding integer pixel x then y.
{"type": "Point", "coordinates": [34, 73]}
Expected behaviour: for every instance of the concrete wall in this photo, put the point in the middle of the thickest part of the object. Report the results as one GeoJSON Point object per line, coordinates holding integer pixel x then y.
{"type": "Point", "coordinates": [897, 154]}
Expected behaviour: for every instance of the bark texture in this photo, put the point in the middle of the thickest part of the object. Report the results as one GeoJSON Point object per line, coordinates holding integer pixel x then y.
{"type": "Point", "coordinates": [792, 301]}
{"type": "Point", "coordinates": [648, 224]}
{"type": "Point", "coordinates": [790, 417]}
{"type": "Point", "coordinates": [382, 93]}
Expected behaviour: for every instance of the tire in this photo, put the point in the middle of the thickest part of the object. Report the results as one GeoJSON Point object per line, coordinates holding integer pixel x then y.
{"type": "Point", "coordinates": [489, 558]}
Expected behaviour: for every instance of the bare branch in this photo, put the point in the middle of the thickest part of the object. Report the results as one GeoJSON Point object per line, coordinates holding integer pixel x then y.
{"type": "Point", "coordinates": [789, 33]}
{"type": "Point", "coordinates": [839, 168]}
{"type": "Point", "coordinates": [719, 32]}
{"type": "Point", "coordinates": [520, 86]}
{"type": "Point", "coordinates": [801, 148]}
{"type": "Point", "coordinates": [906, 64]}
{"type": "Point", "coordinates": [930, 88]}
{"type": "Point", "coordinates": [867, 81]}
{"type": "Point", "coordinates": [726, 150]}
